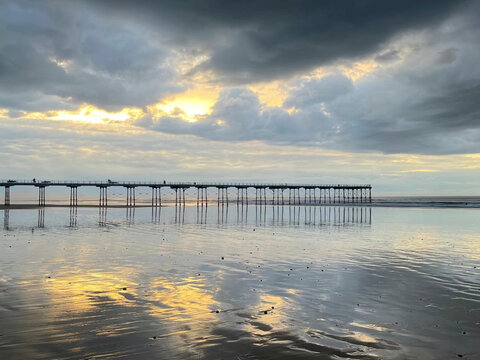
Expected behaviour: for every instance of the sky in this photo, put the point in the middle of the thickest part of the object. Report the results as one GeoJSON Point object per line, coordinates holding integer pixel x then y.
{"type": "Point", "coordinates": [357, 92]}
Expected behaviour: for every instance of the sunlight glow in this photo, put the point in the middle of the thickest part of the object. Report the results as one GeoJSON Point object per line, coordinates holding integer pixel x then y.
{"type": "Point", "coordinates": [64, 64]}
{"type": "Point", "coordinates": [188, 106]}
{"type": "Point", "coordinates": [271, 94]}
{"type": "Point", "coordinates": [87, 290]}
{"type": "Point", "coordinates": [360, 69]}
{"type": "Point", "coordinates": [182, 300]}
{"type": "Point", "coordinates": [4, 113]}
{"type": "Point", "coordinates": [419, 171]}
{"type": "Point", "coordinates": [88, 114]}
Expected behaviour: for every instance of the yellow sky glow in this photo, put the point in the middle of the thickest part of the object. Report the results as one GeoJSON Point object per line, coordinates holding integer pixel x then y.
{"type": "Point", "coordinates": [188, 106]}
{"type": "Point", "coordinates": [360, 69]}
{"type": "Point", "coordinates": [88, 114]}
{"type": "Point", "coordinates": [270, 93]}
{"type": "Point", "coordinates": [3, 113]}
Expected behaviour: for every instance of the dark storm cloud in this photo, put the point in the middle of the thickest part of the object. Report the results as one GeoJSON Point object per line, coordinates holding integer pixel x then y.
{"type": "Point", "coordinates": [261, 40]}
{"type": "Point", "coordinates": [107, 63]}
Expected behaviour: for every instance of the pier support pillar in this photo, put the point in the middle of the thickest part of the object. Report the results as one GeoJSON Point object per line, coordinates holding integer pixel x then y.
{"type": "Point", "coordinates": [41, 196]}
{"type": "Point", "coordinates": [131, 196]}
{"type": "Point", "coordinates": [156, 196]}
{"type": "Point", "coordinates": [103, 198]}
{"type": "Point", "coordinates": [73, 196]}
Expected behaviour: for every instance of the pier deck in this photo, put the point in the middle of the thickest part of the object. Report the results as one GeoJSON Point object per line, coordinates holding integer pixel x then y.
{"type": "Point", "coordinates": [297, 193]}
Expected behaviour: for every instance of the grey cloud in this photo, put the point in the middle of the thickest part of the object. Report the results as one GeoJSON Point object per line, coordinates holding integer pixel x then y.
{"type": "Point", "coordinates": [316, 91]}
{"type": "Point", "coordinates": [447, 56]}
{"type": "Point", "coordinates": [387, 56]}
{"type": "Point", "coordinates": [110, 64]}
{"type": "Point", "coordinates": [251, 40]}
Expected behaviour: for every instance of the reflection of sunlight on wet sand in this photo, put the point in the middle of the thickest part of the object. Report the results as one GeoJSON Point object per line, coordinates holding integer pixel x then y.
{"type": "Point", "coordinates": [370, 326]}
{"type": "Point", "coordinates": [184, 300]}
{"type": "Point", "coordinates": [82, 292]}
{"type": "Point", "coordinates": [416, 242]}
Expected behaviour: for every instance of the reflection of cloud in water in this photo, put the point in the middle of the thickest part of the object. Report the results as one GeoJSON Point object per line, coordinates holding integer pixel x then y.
{"type": "Point", "coordinates": [82, 292]}
{"type": "Point", "coordinates": [390, 291]}
{"type": "Point", "coordinates": [185, 300]}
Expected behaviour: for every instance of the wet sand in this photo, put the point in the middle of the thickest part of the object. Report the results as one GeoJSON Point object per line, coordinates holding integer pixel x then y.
{"type": "Point", "coordinates": [247, 283]}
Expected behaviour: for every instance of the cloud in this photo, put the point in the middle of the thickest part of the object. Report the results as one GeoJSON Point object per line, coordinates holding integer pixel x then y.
{"type": "Point", "coordinates": [316, 91]}
{"type": "Point", "coordinates": [420, 95]}
{"type": "Point", "coordinates": [387, 56]}
{"type": "Point", "coordinates": [57, 55]}
{"type": "Point", "coordinates": [236, 116]}
{"type": "Point", "coordinates": [251, 41]}
{"type": "Point", "coordinates": [422, 98]}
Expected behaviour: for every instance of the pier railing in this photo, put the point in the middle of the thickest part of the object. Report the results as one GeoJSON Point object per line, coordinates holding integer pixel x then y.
{"type": "Point", "coordinates": [40, 182]}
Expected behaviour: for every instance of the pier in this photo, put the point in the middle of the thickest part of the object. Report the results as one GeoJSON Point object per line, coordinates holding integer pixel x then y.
{"type": "Point", "coordinates": [271, 193]}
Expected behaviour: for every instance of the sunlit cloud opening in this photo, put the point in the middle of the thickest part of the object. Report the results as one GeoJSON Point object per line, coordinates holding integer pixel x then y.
{"type": "Point", "coordinates": [419, 171]}
{"type": "Point", "coordinates": [271, 94]}
{"type": "Point", "coordinates": [4, 113]}
{"type": "Point", "coordinates": [360, 69]}
{"type": "Point", "coordinates": [189, 106]}
{"type": "Point", "coordinates": [64, 64]}
{"type": "Point", "coordinates": [88, 114]}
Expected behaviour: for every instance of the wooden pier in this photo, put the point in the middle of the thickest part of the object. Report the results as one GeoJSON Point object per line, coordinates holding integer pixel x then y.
{"type": "Point", "coordinates": [272, 193]}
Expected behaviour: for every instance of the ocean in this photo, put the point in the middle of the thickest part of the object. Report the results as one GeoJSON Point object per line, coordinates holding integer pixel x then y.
{"type": "Point", "coordinates": [242, 282]}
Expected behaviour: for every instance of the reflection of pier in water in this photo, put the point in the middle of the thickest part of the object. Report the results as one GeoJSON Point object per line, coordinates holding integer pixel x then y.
{"type": "Point", "coordinates": [130, 217]}
{"type": "Point", "coordinates": [102, 217]}
{"type": "Point", "coordinates": [73, 217]}
{"type": "Point", "coordinates": [41, 218]}
{"type": "Point", "coordinates": [6, 219]}
{"type": "Point", "coordinates": [258, 215]}
{"type": "Point", "coordinates": [277, 215]}
{"type": "Point", "coordinates": [156, 214]}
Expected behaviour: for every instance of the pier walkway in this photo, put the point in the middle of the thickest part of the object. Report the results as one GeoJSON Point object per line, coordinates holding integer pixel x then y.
{"type": "Point", "coordinates": [281, 193]}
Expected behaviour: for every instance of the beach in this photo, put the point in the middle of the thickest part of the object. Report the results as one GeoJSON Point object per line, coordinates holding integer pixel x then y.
{"type": "Point", "coordinates": [279, 282]}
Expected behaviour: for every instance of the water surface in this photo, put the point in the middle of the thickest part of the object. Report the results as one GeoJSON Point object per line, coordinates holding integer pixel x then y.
{"type": "Point", "coordinates": [257, 282]}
